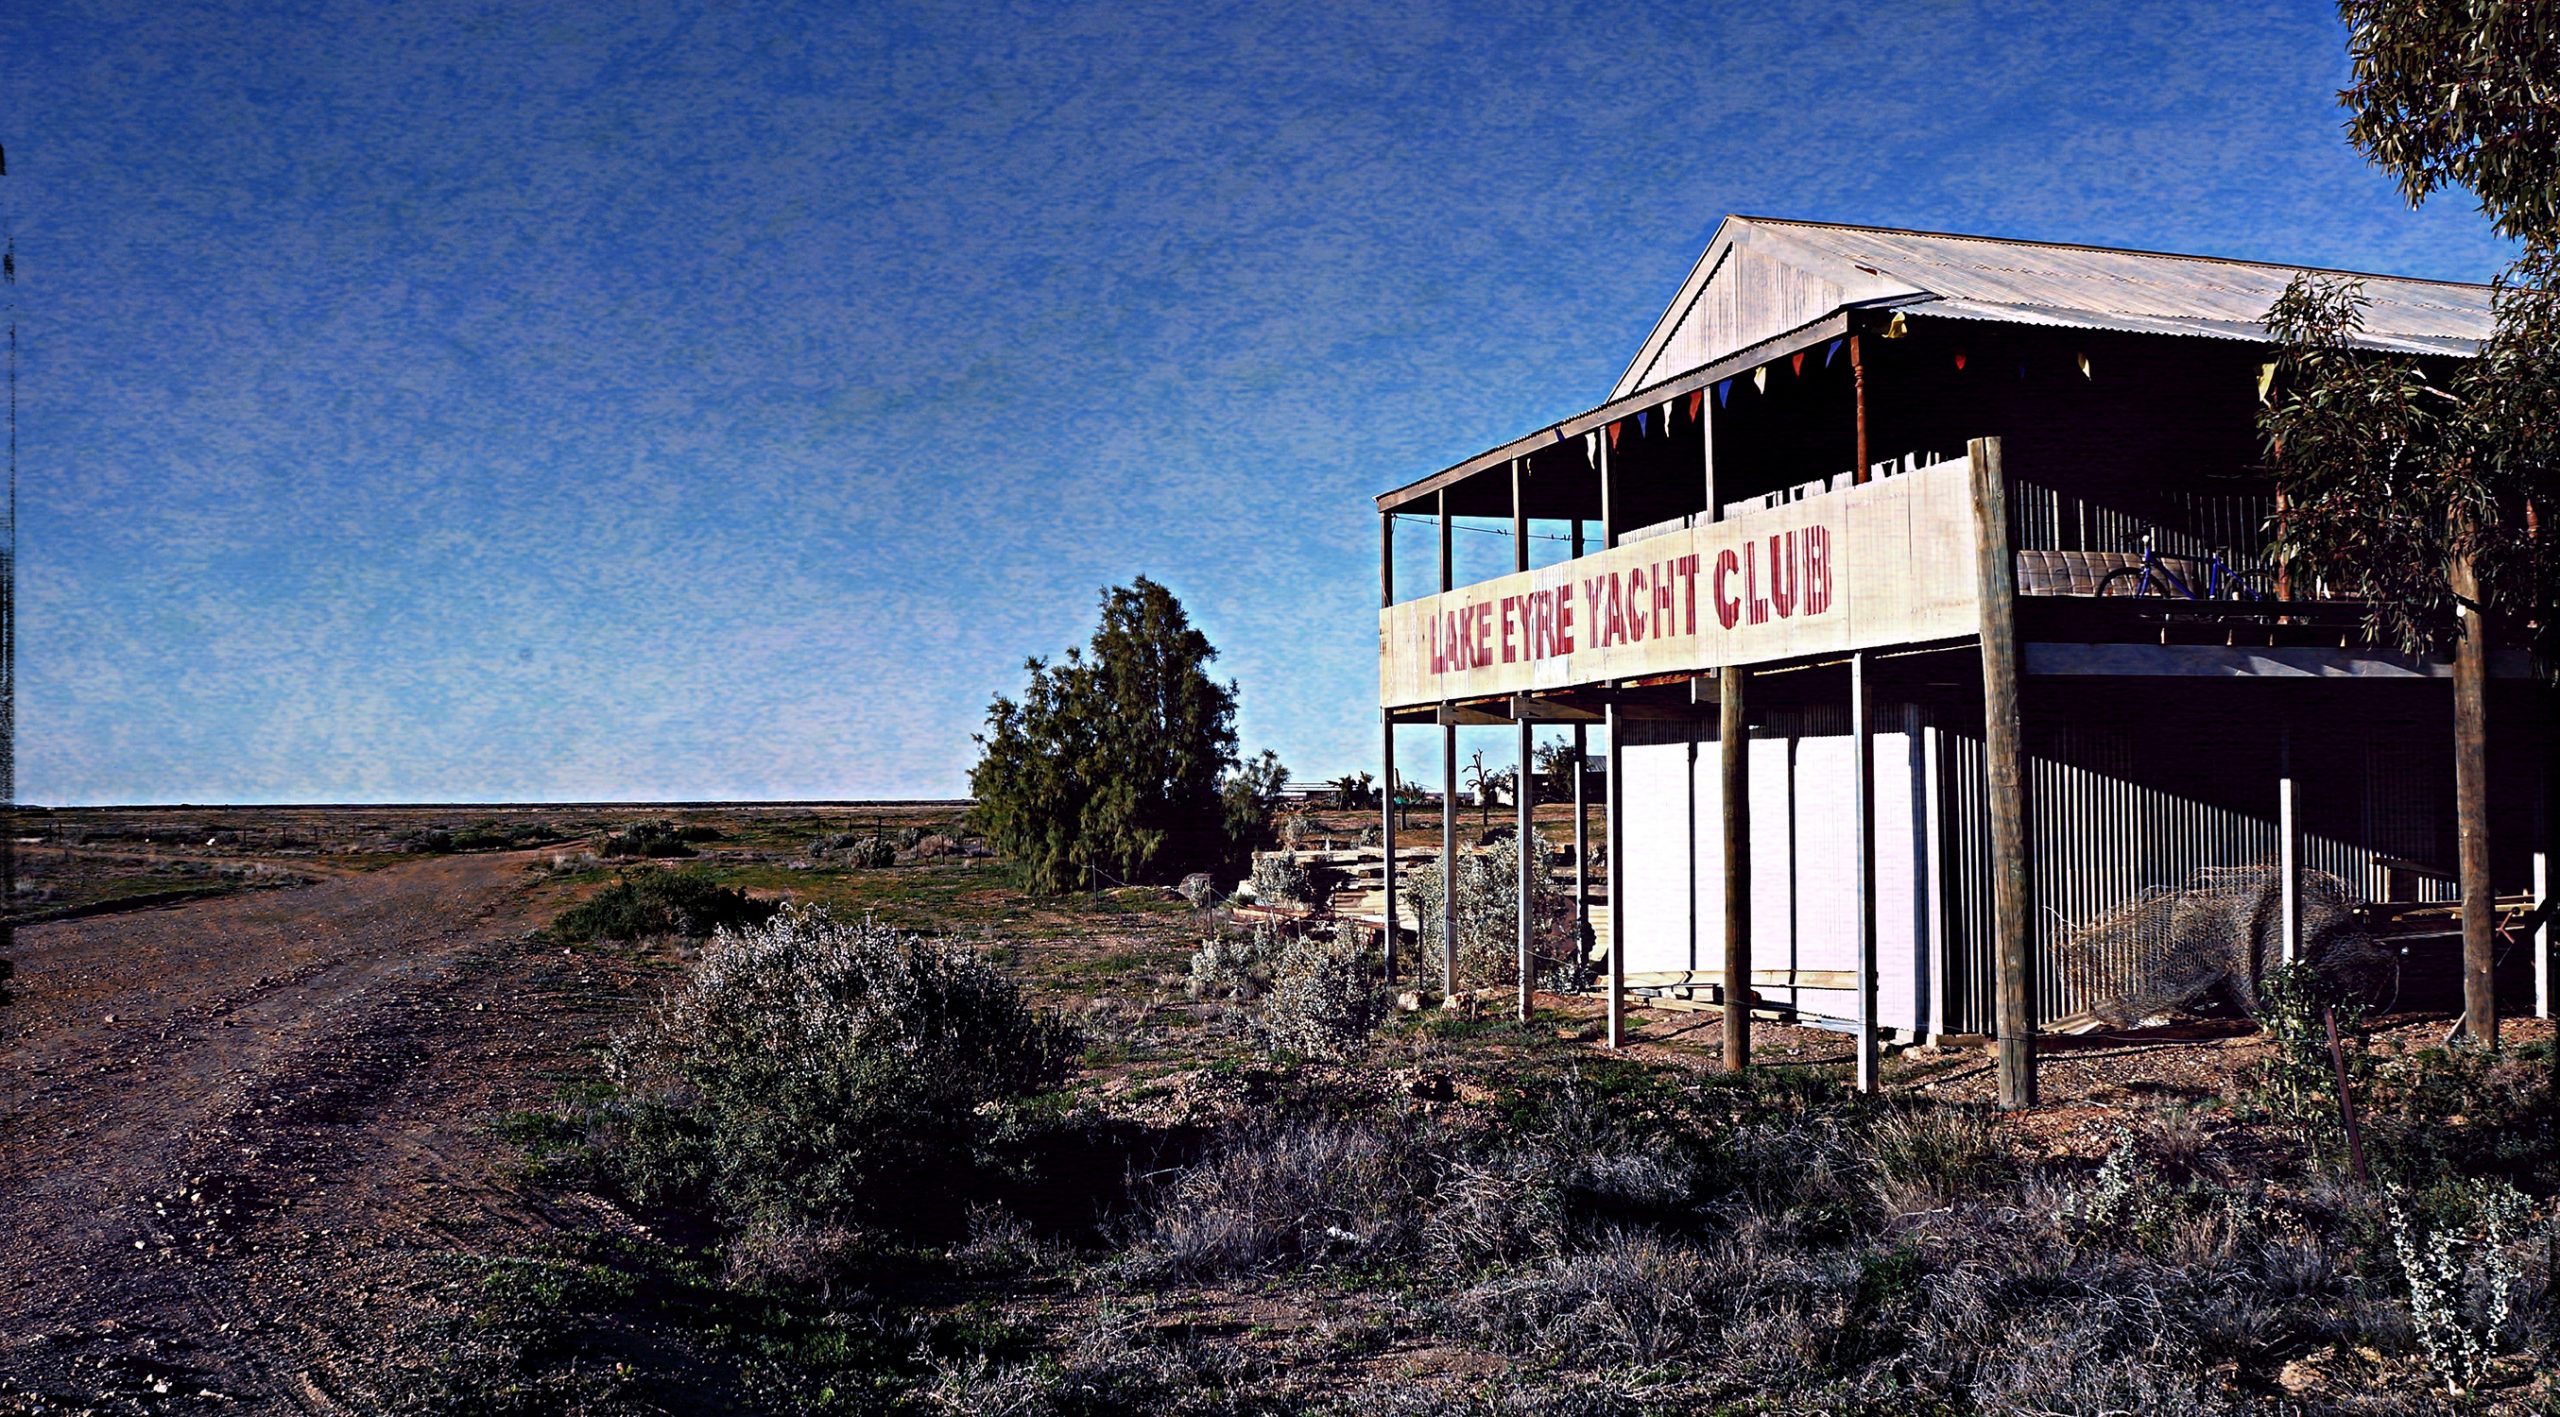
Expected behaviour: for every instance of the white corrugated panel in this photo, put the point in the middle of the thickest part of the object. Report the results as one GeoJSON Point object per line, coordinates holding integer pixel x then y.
{"type": "Point", "coordinates": [1653, 846]}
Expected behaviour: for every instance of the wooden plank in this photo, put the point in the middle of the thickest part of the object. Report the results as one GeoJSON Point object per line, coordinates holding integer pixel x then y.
{"type": "Point", "coordinates": [1449, 857]}
{"type": "Point", "coordinates": [1863, 568]}
{"type": "Point", "coordinates": [1760, 979]}
{"type": "Point", "coordinates": [2004, 778]}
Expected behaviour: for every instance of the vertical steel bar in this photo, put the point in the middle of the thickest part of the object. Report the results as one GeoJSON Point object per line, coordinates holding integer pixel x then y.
{"type": "Point", "coordinates": [2288, 847]}
{"type": "Point", "coordinates": [1525, 794]}
{"type": "Point", "coordinates": [1617, 875]}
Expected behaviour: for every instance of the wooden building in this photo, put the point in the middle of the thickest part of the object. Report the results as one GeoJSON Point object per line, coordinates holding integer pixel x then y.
{"type": "Point", "coordinates": [1839, 537]}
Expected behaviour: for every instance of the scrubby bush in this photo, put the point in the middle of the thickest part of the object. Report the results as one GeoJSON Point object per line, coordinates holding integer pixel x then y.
{"type": "Point", "coordinates": [1294, 1196]}
{"type": "Point", "coordinates": [1199, 890]}
{"type": "Point", "coordinates": [648, 901]}
{"type": "Point", "coordinates": [1488, 911]}
{"type": "Point", "coordinates": [654, 840]}
{"type": "Point", "coordinates": [1233, 965]}
{"type": "Point", "coordinates": [1325, 999]}
{"type": "Point", "coordinates": [1280, 877]}
{"type": "Point", "coordinates": [812, 1072]}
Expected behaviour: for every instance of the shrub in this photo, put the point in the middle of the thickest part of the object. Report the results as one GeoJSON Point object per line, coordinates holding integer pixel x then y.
{"type": "Point", "coordinates": [1298, 1195]}
{"type": "Point", "coordinates": [648, 901]}
{"type": "Point", "coordinates": [1200, 889]}
{"type": "Point", "coordinates": [1281, 876]}
{"type": "Point", "coordinates": [653, 840]}
{"type": "Point", "coordinates": [1232, 966]}
{"type": "Point", "coordinates": [809, 1071]}
{"type": "Point", "coordinates": [1324, 1000]}
{"type": "Point", "coordinates": [1488, 912]}
{"type": "Point", "coordinates": [2461, 1305]}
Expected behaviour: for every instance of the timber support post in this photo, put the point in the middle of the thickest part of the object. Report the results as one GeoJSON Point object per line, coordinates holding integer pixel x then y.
{"type": "Point", "coordinates": [1524, 794]}
{"type": "Point", "coordinates": [2471, 806]}
{"type": "Point", "coordinates": [1448, 796]}
{"type": "Point", "coordinates": [1733, 747]}
{"type": "Point", "coordinates": [1387, 751]}
{"type": "Point", "coordinates": [1862, 738]}
{"type": "Point", "coordinates": [1617, 895]}
{"type": "Point", "coordinates": [2004, 778]}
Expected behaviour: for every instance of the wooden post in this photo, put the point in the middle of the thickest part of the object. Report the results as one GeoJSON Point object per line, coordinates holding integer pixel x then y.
{"type": "Point", "coordinates": [1617, 874]}
{"type": "Point", "coordinates": [1707, 452]}
{"type": "Point", "coordinates": [1581, 817]}
{"type": "Point", "coordinates": [1448, 796]}
{"type": "Point", "coordinates": [2288, 849]}
{"type": "Point", "coordinates": [1733, 746]}
{"type": "Point", "coordinates": [1525, 797]}
{"type": "Point", "coordinates": [1862, 737]}
{"type": "Point", "coordinates": [2003, 771]}
{"type": "Point", "coordinates": [2471, 806]}
{"type": "Point", "coordinates": [1608, 514]}
{"type": "Point", "coordinates": [1448, 858]}
{"type": "Point", "coordinates": [1858, 393]}
{"type": "Point", "coordinates": [1387, 750]}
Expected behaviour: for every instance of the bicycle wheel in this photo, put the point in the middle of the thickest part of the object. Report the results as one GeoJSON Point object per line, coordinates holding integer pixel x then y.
{"type": "Point", "coordinates": [2127, 581]}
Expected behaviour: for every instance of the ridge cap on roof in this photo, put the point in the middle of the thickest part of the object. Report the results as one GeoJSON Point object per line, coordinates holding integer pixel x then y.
{"type": "Point", "coordinates": [2088, 246]}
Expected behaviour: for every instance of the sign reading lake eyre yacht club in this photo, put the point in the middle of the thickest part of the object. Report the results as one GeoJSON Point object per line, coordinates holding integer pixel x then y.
{"type": "Point", "coordinates": [1884, 563]}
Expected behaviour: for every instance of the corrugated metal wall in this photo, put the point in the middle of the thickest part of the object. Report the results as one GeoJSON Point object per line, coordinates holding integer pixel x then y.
{"type": "Point", "coordinates": [2138, 788]}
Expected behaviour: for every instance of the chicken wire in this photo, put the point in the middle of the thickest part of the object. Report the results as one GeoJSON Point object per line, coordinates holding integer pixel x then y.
{"type": "Point", "coordinates": [2211, 939]}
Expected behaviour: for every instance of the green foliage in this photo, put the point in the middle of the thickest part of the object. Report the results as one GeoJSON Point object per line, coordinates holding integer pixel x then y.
{"type": "Point", "coordinates": [1488, 912]}
{"type": "Point", "coordinates": [2395, 469]}
{"type": "Point", "coordinates": [648, 901]}
{"type": "Point", "coordinates": [2298, 1082]}
{"type": "Point", "coordinates": [2459, 94]}
{"type": "Point", "coordinates": [1111, 763]}
{"type": "Point", "coordinates": [656, 840]}
{"type": "Point", "coordinates": [1325, 998]}
{"type": "Point", "coordinates": [813, 1072]}
{"type": "Point", "coordinates": [483, 836]}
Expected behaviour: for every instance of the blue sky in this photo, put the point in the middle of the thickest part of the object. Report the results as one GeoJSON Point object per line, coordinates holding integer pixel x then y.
{"type": "Point", "coordinates": [556, 401]}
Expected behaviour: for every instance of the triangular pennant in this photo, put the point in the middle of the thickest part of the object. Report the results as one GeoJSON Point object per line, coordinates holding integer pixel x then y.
{"type": "Point", "coordinates": [1591, 448]}
{"type": "Point", "coordinates": [1666, 416]}
{"type": "Point", "coordinates": [1830, 350]}
{"type": "Point", "coordinates": [1760, 379]}
{"type": "Point", "coordinates": [2084, 368]}
{"type": "Point", "coordinates": [1799, 362]}
{"type": "Point", "coordinates": [1895, 328]}
{"type": "Point", "coordinates": [1643, 417]}
{"type": "Point", "coordinates": [1697, 400]}
{"type": "Point", "coordinates": [1614, 430]}
{"type": "Point", "coordinates": [1724, 392]}
{"type": "Point", "coordinates": [2266, 382]}
{"type": "Point", "coordinates": [1959, 359]}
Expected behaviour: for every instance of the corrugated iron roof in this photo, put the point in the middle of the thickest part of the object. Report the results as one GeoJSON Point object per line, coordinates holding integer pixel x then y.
{"type": "Point", "coordinates": [1783, 267]}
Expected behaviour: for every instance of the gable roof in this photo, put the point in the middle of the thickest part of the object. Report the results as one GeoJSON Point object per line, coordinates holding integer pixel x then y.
{"type": "Point", "coordinates": [1761, 278]}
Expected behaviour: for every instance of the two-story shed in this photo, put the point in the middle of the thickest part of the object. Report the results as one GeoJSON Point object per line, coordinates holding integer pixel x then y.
{"type": "Point", "coordinates": [1887, 544]}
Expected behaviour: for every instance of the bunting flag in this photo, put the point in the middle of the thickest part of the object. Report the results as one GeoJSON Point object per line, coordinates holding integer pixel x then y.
{"type": "Point", "coordinates": [1591, 448]}
{"type": "Point", "coordinates": [1798, 361]}
{"type": "Point", "coordinates": [2266, 383]}
{"type": "Point", "coordinates": [1760, 379]}
{"type": "Point", "coordinates": [1830, 351]}
{"type": "Point", "coordinates": [1559, 432]}
{"type": "Point", "coordinates": [2022, 370]}
{"type": "Point", "coordinates": [1666, 416]}
{"type": "Point", "coordinates": [1697, 400]}
{"type": "Point", "coordinates": [1614, 430]}
{"type": "Point", "coordinates": [1724, 392]}
{"type": "Point", "coordinates": [1895, 328]}
{"type": "Point", "coordinates": [1644, 418]}
{"type": "Point", "coordinates": [2084, 368]}
{"type": "Point", "coordinates": [1959, 359]}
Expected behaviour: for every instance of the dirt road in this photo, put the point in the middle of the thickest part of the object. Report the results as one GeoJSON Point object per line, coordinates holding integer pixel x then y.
{"type": "Point", "coordinates": [230, 1133]}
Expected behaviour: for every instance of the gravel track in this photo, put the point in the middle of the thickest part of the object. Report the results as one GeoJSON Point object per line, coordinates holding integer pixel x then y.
{"type": "Point", "coordinates": [236, 1136]}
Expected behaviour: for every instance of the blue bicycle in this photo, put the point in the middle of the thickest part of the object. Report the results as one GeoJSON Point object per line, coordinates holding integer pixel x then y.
{"type": "Point", "coordinates": [2157, 577]}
